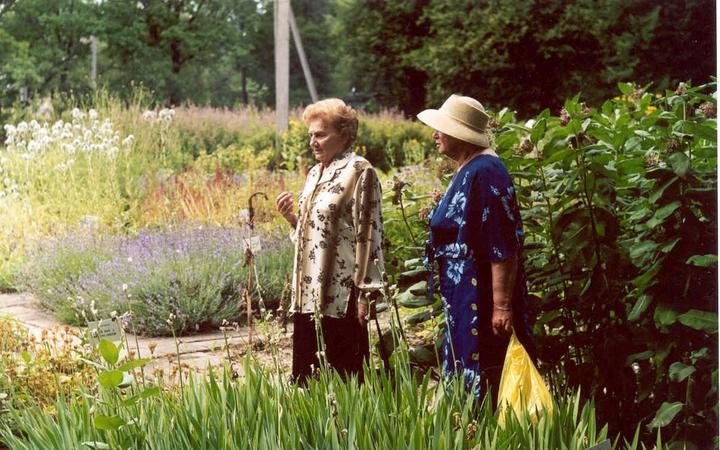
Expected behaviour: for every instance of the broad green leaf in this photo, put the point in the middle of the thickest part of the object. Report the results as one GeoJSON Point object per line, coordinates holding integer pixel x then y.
{"type": "Point", "coordinates": [648, 278]}
{"type": "Point", "coordinates": [562, 154]}
{"type": "Point", "coordinates": [700, 354]}
{"type": "Point", "coordinates": [680, 164]}
{"type": "Point", "coordinates": [150, 392]}
{"type": "Point", "coordinates": [703, 260]}
{"type": "Point", "coordinates": [111, 379]}
{"type": "Point", "coordinates": [663, 213]}
{"type": "Point", "coordinates": [700, 320]}
{"type": "Point", "coordinates": [644, 356]}
{"type": "Point", "coordinates": [25, 356]}
{"type": "Point", "coordinates": [658, 193]}
{"type": "Point", "coordinates": [626, 88]}
{"type": "Point", "coordinates": [665, 316]}
{"type": "Point", "coordinates": [134, 364]}
{"type": "Point", "coordinates": [679, 371]}
{"type": "Point", "coordinates": [640, 307]}
{"type": "Point", "coordinates": [126, 381]}
{"type": "Point", "coordinates": [665, 414]}
{"type": "Point", "coordinates": [406, 297]}
{"type": "Point", "coordinates": [422, 355]}
{"type": "Point", "coordinates": [703, 130]}
{"type": "Point", "coordinates": [538, 131]}
{"type": "Point", "coordinates": [109, 351]}
{"type": "Point", "coordinates": [130, 401]}
{"type": "Point", "coordinates": [103, 422]}
{"type": "Point", "coordinates": [639, 249]}
{"type": "Point", "coordinates": [667, 248]}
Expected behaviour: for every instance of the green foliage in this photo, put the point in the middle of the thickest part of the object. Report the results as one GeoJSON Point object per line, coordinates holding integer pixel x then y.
{"type": "Point", "coordinates": [259, 410]}
{"type": "Point", "coordinates": [529, 55]}
{"type": "Point", "coordinates": [619, 208]}
{"type": "Point", "coordinates": [196, 274]}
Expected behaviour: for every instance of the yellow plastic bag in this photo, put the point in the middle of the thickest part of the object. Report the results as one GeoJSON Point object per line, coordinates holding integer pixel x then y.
{"type": "Point", "coordinates": [521, 386]}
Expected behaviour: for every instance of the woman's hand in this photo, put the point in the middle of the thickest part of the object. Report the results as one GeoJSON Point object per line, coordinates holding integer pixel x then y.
{"type": "Point", "coordinates": [365, 312]}
{"type": "Point", "coordinates": [284, 204]}
{"type": "Point", "coordinates": [362, 309]}
{"type": "Point", "coordinates": [502, 322]}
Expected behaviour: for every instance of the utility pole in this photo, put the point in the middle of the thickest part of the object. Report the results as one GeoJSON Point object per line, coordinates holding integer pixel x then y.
{"type": "Point", "coordinates": [303, 59]}
{"type": "Point", "coordinates": [282, 64]}
{"type": "Point", "coordinates": [93, 70]}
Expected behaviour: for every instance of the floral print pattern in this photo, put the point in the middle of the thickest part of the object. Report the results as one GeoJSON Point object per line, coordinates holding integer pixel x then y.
{"type": "Point", "coordinates": [477, 222]}
{"type": "Point", "coordinates": [339, 236]}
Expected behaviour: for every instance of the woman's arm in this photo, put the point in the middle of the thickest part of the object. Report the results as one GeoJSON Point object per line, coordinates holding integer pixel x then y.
{"type": "Point", "coordinates": [503, 284]}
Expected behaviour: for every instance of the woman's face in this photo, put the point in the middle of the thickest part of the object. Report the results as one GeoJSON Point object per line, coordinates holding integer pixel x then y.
{"type": "Point", "coordinates": [325, 141]}
{"type": "Point", "coordinates": [446, 144]}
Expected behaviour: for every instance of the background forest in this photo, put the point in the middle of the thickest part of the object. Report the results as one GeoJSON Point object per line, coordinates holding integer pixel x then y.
{"type": "Point", "coordinates": [526, 55]}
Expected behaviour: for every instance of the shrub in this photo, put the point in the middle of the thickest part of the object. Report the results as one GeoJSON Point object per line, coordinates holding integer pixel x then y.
{"type": "Point", "coordinates": [192, 272]}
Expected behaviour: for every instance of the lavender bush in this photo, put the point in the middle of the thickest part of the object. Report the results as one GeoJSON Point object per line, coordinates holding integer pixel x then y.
{"type": "Point", "coordinates": [196, 273]}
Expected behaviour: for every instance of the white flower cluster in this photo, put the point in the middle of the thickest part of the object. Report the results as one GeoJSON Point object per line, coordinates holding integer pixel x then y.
{"type": "Point", "coordinates": [163, 118]}
{"type": "Point", "coordinates": [85, 133]}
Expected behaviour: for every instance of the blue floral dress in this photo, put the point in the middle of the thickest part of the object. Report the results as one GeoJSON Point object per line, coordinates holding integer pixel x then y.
{"type": "Point", "coordinates": [477, 222]}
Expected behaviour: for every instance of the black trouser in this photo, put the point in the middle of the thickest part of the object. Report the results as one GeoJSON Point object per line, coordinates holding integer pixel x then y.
{"type": "Point", "coordinates": [345, 341]}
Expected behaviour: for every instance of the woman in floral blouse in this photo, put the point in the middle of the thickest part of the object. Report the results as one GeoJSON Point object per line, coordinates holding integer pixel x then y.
{"type": "Point", "coordinates": [476, 237]}
{"type": "Point", "coordinates": [338, 236]}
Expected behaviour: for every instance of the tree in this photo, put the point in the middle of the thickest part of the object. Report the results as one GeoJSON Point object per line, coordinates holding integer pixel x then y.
{"type": "Point", "coordinates": [375, 39]}
{"type": "Point", "coordinates": [166, 45]}
{"type": "Point", "coordinates": [526, 55]}
{"type": "Point", "coordinates": [44, 45]}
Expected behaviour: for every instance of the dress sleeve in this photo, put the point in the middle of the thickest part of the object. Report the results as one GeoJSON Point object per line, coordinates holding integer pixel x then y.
{"type": "Point", "coordinates": [369, 234]}
{"type": "Point", "coordinates": [491, 217]}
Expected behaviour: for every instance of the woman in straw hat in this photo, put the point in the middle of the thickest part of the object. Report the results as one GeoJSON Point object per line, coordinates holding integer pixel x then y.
{"type": "Point", "coordinates": [476, 237]}
{"type": "Point", "coordinates": [338, 236]}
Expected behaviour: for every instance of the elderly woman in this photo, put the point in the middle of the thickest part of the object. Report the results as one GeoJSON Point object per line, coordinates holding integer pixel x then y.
{"type": "Point", "coordinates": [338, 236]}
{"type": "Point", "coordinates": [476, 237]}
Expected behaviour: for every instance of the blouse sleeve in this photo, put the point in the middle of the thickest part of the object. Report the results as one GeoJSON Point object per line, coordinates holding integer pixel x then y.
{"type": "Point", "coordinates": [369, 234]}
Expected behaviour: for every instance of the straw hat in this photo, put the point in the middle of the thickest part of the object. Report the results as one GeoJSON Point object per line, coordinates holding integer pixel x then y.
{"type": "Point", "coordinates": [463, 118]}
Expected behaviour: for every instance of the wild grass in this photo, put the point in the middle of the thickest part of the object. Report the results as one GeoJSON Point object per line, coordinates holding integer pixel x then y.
{"type": "Point", "coordinates": [252, 407]}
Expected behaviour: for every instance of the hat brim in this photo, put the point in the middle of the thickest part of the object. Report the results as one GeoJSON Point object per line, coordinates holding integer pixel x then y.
{"type": "Point", "coordinates": [450, 126]}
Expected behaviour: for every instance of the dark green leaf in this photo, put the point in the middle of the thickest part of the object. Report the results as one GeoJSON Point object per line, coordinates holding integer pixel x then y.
{"type": "Point", "coordinates": [680, 164]}
{"type": "Point", "coordinates": [658, 193]}
{"type": "Point", "coordinates": [706, 130]}
{"type": "Point", "coordinates": [703, 260]}
{"type": "Point", "coordinates": [642, 248]}
{"type": "Point", "coordinates": [700, 320]}
{"type": "Point", "coordinates": [679, 371]}
{"type": "Point", "coordinates": [665, 316]}
{"type": "Point", "coordinates": [665, 414]}
{"type": "Point", "coordinates": [640, 307]}
{"type": "Point", "coordinates": [663, 213]}
{"type": "Point", "coordinates": [644, 356]}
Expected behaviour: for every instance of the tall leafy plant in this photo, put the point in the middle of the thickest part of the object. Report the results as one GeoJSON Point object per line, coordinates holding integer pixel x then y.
{"type": "Point", "coordinates": [620, 212]}
{"type": "Point", "coordinates": [619, 209]}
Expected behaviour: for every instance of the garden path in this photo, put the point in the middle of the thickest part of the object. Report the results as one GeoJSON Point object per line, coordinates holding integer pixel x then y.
{"type": "Point", "coordinates": [197, 351]}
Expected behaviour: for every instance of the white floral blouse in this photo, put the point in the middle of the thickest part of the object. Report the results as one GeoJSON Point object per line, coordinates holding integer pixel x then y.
{"type": "Point", "coordinates": [339, 237]}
